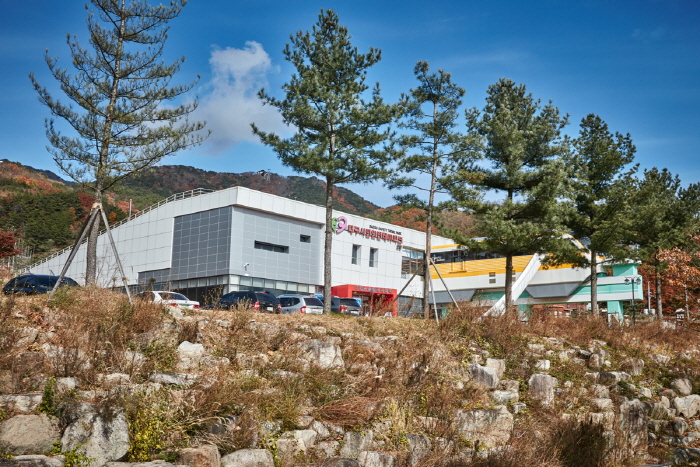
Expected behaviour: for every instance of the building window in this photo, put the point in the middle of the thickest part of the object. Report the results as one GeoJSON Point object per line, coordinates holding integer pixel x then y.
{"type": "Point", "coordinates": [356, 254]}
{"type": "Point", "coordinates": [271, 247]}
{"type": "Point", "coordinates": [373, 252]}
{"type": "Point", "coordinates": [492, 278]}
{"type": "Point", "coordinates": [305, 238]}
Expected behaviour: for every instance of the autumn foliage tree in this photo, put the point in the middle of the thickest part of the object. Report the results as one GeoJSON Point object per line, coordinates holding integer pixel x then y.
{"type": "Point", "coordinates": [7, 244]}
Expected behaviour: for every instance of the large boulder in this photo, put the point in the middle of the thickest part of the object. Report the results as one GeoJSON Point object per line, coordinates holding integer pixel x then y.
{"type": "Point", "coordinates": [376, 459]}
{"type": "Point", "coordinates": [322, 354]}
{"type": "Point", "coordinates": [99, 437]}
{"type": "Point", "coordinates": [633, 424]}
{"type": "Point", "coordinates": [489, 427]}
{"type": "Point", "coordinates": [189, 355]}
{"type": "Point", "coordinates": [33, 460]}
{"type": "Point", "coordinates": [20, 402]}
{"type": "Point", "coordinates": [356, 441]}
{"type": "Point", "coordinates": [419, 446]}
{"type": "Point", "coordinates": [202, 456]}
{"type": "Point", "coordinates": [484, 375]}
{"type": "Point", "coordinates": [541, 388]}
{"type": "Point", "coordinates": [687, 406]}
{"type": "Point", "coordinates": [248, 458]}
{"type": "Point", "coordinates": [28, 434]}
{"type": "Point", "coordinates": [682, 386]}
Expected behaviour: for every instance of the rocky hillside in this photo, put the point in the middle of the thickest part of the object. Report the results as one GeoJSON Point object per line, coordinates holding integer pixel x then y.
{"type": "Point", "coordinates": [88, 380]}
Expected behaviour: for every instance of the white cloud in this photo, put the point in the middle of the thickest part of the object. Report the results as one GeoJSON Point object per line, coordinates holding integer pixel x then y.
{"type": "Point", "coordinates": [231, 103]}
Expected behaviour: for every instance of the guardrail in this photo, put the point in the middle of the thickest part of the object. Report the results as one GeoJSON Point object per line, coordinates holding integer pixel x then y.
{"type": "Point", "coordinates": [169, 199]}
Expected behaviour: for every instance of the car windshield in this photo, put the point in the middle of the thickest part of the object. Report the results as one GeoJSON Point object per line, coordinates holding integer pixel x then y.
{"type": "Point", "coordinates": [313, 301]}
{"type": "Point", "coordinates": [50, 281]}
{"type": "Point", "coordinates": [172, 296]}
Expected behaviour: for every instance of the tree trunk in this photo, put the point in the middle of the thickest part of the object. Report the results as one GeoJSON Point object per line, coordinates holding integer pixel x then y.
{"type": "Point", "coordinates": [91, 251]}
{"type": "Point", "coordinates": [428, 244]}
{"type": "Point", "coordinates": [509, 283]}
{"type": "Point", "coordinates": [659, 304]}
{"type": "Point", "coordinates": [594, 283]}
{"type": "Point", "coordinates": [328, 244]}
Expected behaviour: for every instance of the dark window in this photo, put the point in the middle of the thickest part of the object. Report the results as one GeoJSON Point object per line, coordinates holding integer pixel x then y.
{"type": "Point", "coordinates": [355, 254]}
{"type": "Point", "coordinates": [373, 252]}
{"type": "Point", "coordinates": [305, 238]}
{"type": "Point", "coordinates": [271, 247]}
{"type": "Point", "coordinates": [312, 301]}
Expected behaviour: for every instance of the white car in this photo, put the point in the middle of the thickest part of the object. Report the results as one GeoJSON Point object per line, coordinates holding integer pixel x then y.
{"type": "Point", "coordinates": [173, 299]}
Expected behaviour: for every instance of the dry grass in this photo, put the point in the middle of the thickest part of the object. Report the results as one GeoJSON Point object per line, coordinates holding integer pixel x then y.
{"type": "Point", "coordinates": [394, 381]}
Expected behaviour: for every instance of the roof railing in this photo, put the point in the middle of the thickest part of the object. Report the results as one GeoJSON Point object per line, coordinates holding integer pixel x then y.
{"type": "Point", "coordinates": [169, 199]}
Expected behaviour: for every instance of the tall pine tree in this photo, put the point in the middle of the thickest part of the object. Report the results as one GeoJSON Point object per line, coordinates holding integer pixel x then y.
{"type": "Point", "coordinates": [341, 137]}
{"type": "Point", "coordinates": [432, 145]}
{"type": "Point", "coordinates": [664, 216]}
{"type": "Point", "coordinates": [118, 90]}
{"type": "Point", "coordinates": [601, 194]}
{"type": "Point", "coordinates": [523, 150]}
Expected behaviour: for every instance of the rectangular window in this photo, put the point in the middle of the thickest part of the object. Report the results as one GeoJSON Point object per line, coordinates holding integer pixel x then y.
{"type": "Point", "coordinates": [271, 247]}
{"type": "Point", "coordinates": [373, 252]}
{"type": "Point", "coordinates": [355, 254]}
{"type": "Point", "coordinates": [492, 278]}
{"type": "Point", "coordinates": [305, 238]}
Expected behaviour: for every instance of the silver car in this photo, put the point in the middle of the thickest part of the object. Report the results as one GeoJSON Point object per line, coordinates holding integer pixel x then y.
{"type": "Point", "coordinates": [301, 304]}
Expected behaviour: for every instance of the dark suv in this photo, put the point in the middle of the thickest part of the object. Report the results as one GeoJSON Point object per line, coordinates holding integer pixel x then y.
{"type": "Point", "coordinates": [335, 303]}
{"type": "Point", "coordinates": [260, 301]}
{"type": "Point", "coordinates": [33, 284]}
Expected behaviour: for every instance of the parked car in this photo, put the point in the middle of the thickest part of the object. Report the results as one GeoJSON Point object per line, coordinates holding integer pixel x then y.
{"type": "Point", "coordinates": [260, 301]}
{"type": "Point", "coordinates": [169, 298]}
{"type": "Point", "coordinates": [352, 306]}
{"type": "Point", "coordinates": [336, 307]}
{"type": "Point", "coordinates": [34, 284]}
{"type": "Point", "coordinates": [301, 304]}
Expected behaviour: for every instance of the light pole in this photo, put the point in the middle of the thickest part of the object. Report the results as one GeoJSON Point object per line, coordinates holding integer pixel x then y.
{"type": "Point", "coordinates": [633, 280]}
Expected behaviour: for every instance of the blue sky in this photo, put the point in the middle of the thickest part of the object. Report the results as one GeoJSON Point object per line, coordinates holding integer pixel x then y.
{"type": "Point", "coordinates": [635, 63]}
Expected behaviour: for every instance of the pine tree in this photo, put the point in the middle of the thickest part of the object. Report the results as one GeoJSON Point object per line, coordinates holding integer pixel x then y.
{"type": "Point", "coordinates": [664, 216]}
{"type": "Point", "coordinates": [433, 145]}
{"type": "Point", "coordinates": [601, 194]}
{"type": "Point", "coordinates": [523, 149]}
{"type": "Point", "coordinates": [117, 91]}
{"type": "Point", "coordinates": [340, 137]}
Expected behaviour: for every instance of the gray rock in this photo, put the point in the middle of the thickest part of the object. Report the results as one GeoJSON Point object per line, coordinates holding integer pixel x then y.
{"type": "Point", "coordinates": [376, 459]}
{"type": "Point", "coordinates": [661, 359]}
{"type": "Point", "coordinates": [26, 336]}
{"type": "Point", "coordinates": [33, 460]}
{"type": "Point", "coordinates": [104, 439]}
{"type": "Point", "coordinates": [307, 437]}
{"type": "Point", "coordinates": [20, 402]}
{"type": "Point", "coordinates": [541, 388]}
{"type": "Point", "coordinates": [322, 354]}
{"type": "Point", "coordinates": [419, 446]}
{"type": "Point", "coordinates": [483, 375]}
{"type": "Point", "coordinates": [687, 406]}
{"type": "Point", "coordinates": [355, 442]}
{"type": "Point", "coordinates": [683, 456]}
{"type": "Point", "coordinates": [633, 366]}
{"type": "Point", "coordinates": [595, 361]}
{"type": "Point", "coordinates": [340, 462]}
{"type": "Point", "coordinates": [174, 379]}
{"type": "Point", "coordinates": [248, 458]}
{"type": "Point", "coordinates": [611, 378]}
{"type": "Point", "coordinates": [287, 450]}
{"type": "Point", "coordinates": [504, 397]}
{"type": "Point", "coordinates": [114, 379]}
{"type": "Point", "coordinates": [600, 391]}
{"type": "Point", "coordinates": [189, 355]}
{"type": "Point", "coordinates": [682, 386]}
{"type": "Point", "coordinates": [633, 424]}
{"type": "Point", "coordinates": [328, 448]}
{"type": "Point", "coordinates": [202, 456]}
{"type": "Point", "coordinates": [491, 427]}
{"type": "Point", "coordinates": [497, 365]}
{"type": "Point", "coordinates": [655, 410]}
{"type": "Point", "coordinates": [32, 434]}
{"type": "Point", "coordinates": [657, 426]}
{"type": "Point", "coordinates": [510, 385]}
{"type": "Point", "coordinates": [679, 426]}
{"type": "Point", "coordinates": [602, 404]}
